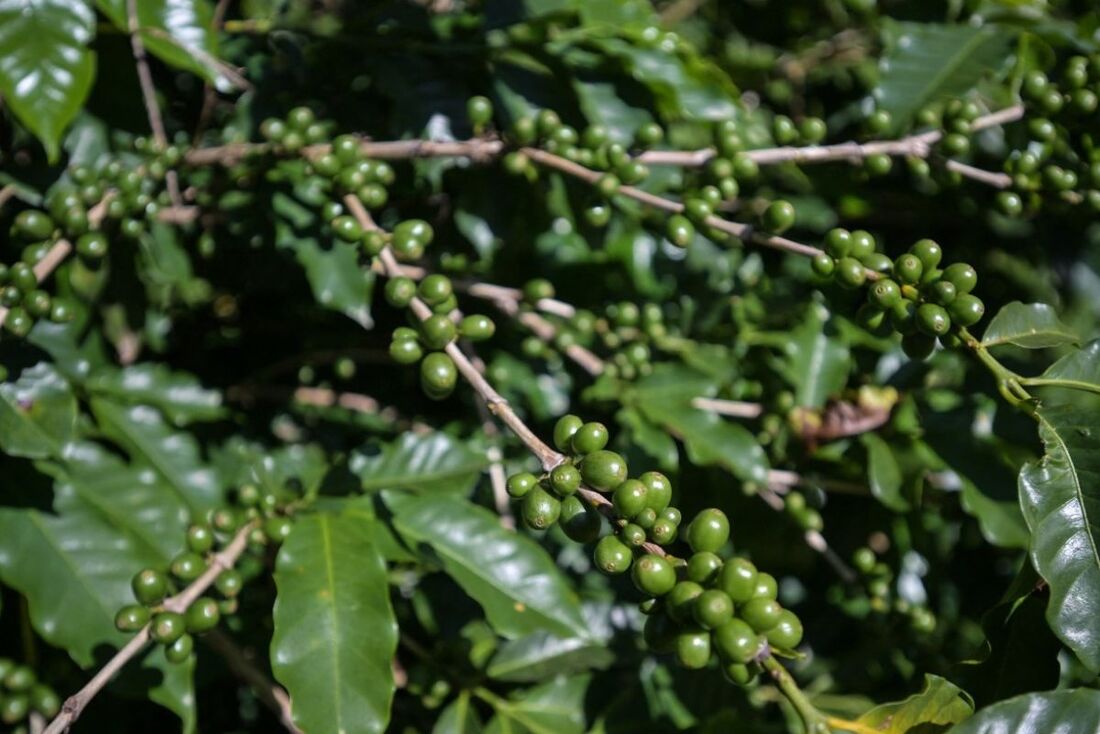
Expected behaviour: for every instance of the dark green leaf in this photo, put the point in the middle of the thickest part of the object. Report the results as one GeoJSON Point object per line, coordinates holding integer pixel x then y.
{"type": "Point", "coordinates": [1065, 712]}
{"type": "Point", "coordinates": [815, 364]}
{"type": "Point", "coordinates": [934, 709]}
{"type": "Point", "coordinates": [335, 633]}
{"type": "Point", "coordinates": [434, 462]}
{"type": "Point", "coordinates": [178, 395]}
{"type": "Point", "coordinates": [1027, 325]}
{"type": "Point", "coordinates": [46, 71]}
{"type": "Point", "coordinates": [460, 717]}
{"type": "Point", "coordinates": [926, 62]}
{"type": "Point", "coordinates": [883, 472]}
{"type": "Point", "coordinates": [552, 708]}
{"type": "Point", "coordinates": [37, 414]}
{"type": "Point", "coordinates": [1060, 496]}
{"type": "Point", "coordinates": [143, 433]}
{"type": "Point", "coordinates": [178, 32]}
{"type": "Point", "coordinates": [665, 397]}
{"type": "Point", "coordinates": [509, 575]}
{"type": "Point", "coordinates": [541, 655]}
{"type": "Point", "coordinates": [1079, 370]}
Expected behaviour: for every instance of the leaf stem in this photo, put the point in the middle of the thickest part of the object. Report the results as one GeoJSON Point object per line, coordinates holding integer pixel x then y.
{"type": "Point", "coordinates": [814, 721]}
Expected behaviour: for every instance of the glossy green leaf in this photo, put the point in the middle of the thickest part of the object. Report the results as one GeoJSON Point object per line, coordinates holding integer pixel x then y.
{"type": "Point", "coordinates": [926, 62]}
{"type": "Point", "coordinates": [46, 71]}
{"type": "Point", "coordinates": [1060, 496]}
{"type": "Point", "coordinates": [178, 395]}
{"type": "Point", "coordinates": [815, 364]}
{"type": "Point", "coordinates": [665, 398]}
{"type": "Point", "coordinates": [556, 707]}
{"type": "Point", "coordinates": [175, 457]}
{"type": "Point", "coordinates": [335, 632]}
{"type": "Point", "coordinates": [650, 438]}
{"type": "Point", "coordinates": [883, 472]}
{"type": "Point", "coordinates": [332, 268]}
{"type": "Point", "coordinates": [937, 707]}
{"type": "Point", "coordinates": [1027, 325]}
{"type": "Point", "coordinates": [1022, 651]}
{"type": "Point", "coordinates": [1079, 370]}
{"type": "Point", "coordinates": [178, 32]}
{"type": "Point", "coordinates": [508, 574]}
{"type": "Point", "coordinates": [460, 717]}
{"type": "Point", "coordinates": [1065, 712]}
{"type": "Point", "coordinates": [74, 566]}
{"type": "Point", "coordinates": [37, 414]}
{"type": "Point", "coordinates": [541, 655]}
{"type": "Point", "coordinates": [433, 462]}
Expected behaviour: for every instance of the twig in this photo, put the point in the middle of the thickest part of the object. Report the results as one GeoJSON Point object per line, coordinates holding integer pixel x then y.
{"type": "Point", "coordinates": [497, 405]}
{"type": "Point", "coordinates": [742, 231]}
{"type": "Point", "coordinates": [272, 694]}
{"type": "Point", "coordinates": [6, 194]}
{"type": "Point", "coordinates": [149, 95]}
{"type": "Point", "coordinates": [992, 178]}
{"type": "Point", "coordinates": [734, 408]}
{"type": "Point", "coordinates": [918, 145]}
{"type": "Point", "coordinates": [179, 603]}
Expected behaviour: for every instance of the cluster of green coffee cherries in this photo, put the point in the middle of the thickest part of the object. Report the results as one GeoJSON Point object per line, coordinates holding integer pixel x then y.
{"type": "Point", "coordinates": [911, 294]}
{"type": "Point", "coordinates": [426, 340]}
{"type": "Point", "coordinates": [19, 290]}
{"type": "Point", "coordinates": [21, 694]}
{"type": "Point", "coordinates": [698, 608]}
{"type": "Point", "coordinates": [627, 331]}
{"type": "Point", "coordinates": [339, 160]}
{"type": "Point", "coordinates": [878, 579]}
{"type": "Point", "coordinates": [1059, 157]}
{"type": "Point", "coordinates": [151, 586]}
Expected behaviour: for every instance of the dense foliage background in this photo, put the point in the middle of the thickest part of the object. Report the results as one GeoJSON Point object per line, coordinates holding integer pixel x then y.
{"type": "Point", "coordinates": [930, 522]}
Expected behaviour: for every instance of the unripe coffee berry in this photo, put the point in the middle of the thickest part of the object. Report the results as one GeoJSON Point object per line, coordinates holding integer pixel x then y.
{"type": "Point", "coordinates": [131, 618]}
{"type": "Point", "coordinates": [520, 484]}
{"type": "Point", "coordinates": [540, 509]}
{"type": "Point", "coordinates": [787, 632]}
{"type": "Point", "coordinates": [712, 609]}
{"type": "Point", "coordinates": [565, 479]}
{"type": "Point", "coordinates": [703, 568]}
{"type": "Point", "coordinates": [653, 575]}
{"type": "Point", "coordinates": [738, 579]}
{"type": "Point", "coordinates": [737, 641]}
{"type": "Point", "coordinates": [203, 615]}
{"type": "Point", "coordinates": [149, 586]}
{"type": "Point", "coordinates": [709, 531]}
{"type": "Point", "coordinates": [630, 498]}
{"type": "Point", "coordinates": [612, 556]}
{"type": "Point", "coordinates": [579, 522]}
{"type": "Point", "coordinates": [168, 627]}
{"type": "Point", "coordinates": [658, 490]}
{"type": "Point", "coordinates": [761, 613]}
{"type": "Point", "coordinates": [693, 649]}
{"type": "Point", "coordinates": [603, 470]}
{"type": "Point", "coordinates": [680, 602]}
{"type": "Point", "coordinates": [590, 437]}
{"type": "Point", "coordinates": [564, 430]}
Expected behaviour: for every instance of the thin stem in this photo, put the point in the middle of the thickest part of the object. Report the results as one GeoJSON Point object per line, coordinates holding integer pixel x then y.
{"type": "Point", "coordinates": [179, 603]}
{"type": "Point", "coordinates": [149, 94]}
{"type": "Point", "coordinates": [732, 408]}
{"type": "Point", "coordinates": [814, 721]}
{"type": "Point", "coordinates": [918, 145]}
{"type": "Point", "coordinates": [1060, 382]}
{"type": "Point", "coordinates": [268, 691]}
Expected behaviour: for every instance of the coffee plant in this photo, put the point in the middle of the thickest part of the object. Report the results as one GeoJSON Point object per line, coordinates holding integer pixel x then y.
{"type": "Point", "coordinates": [550, 366]}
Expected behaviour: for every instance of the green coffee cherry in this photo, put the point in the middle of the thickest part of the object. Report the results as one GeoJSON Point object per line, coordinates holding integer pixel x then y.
{"type": "Point", "coordinates": [850, 272]}
{"type": "Point", "coordinates": [709, 531]}
{"type": "Point", "coordinates": [188, 566]}
{"type": "Point", "coordinates": [149, 586]}
{"type": "Point", "coordinates": [565, 479]}
{"type": "Point", "coordinates": [167, 627]}
{"type": "Point", "coordinates": [633, 535]}
{"type": "Point", "coordinates": [437, 331]}
{"type": "Point", "coordinates": [200, 538]}
{"type": "Point", "coordinates": [580, 523]}
{"type": "Point", "coordinates": [438, 375]}
{"type": "Point", "coordinates": [630, 498]}
{"type": "Point", "coordinates": [779, 216]}
{"type": "Point", "coordinates": [131, 618]}
{"type": "Point", "coordinates": [884, 293]}
{"type": "Point", "coordinates": [229, 583]}
{"type": "Point", "coordinates": [761, 613]}
{"type": "Point", "coordinates": [653, 575]}
{"type": "Point", "coordinates": [693, 649]}
{"type": "Point", "coordinates": [203, 615]}
{"type": "Point", "coordinates": [520, 484]}
{"type": "Point", "coordinates": [590, 437]}
{"type": "Point", "coordinates": [962, 276]}
{"type": "Point", "coordinates": [712, 609]}
{"type": "Point", "coordinates": [703, 568]}
{"type": "Point", "coordinates": [966, 310]}
{"type": "Point", "coordinates": [480, 111]}
{"type": "Point", "coordinates": [658, 490]}
{"type": "Point", "coordinates": [680, 602]}
{"type": "Point", "coordinates": [540, 509]}
{"type": "Point", "coordinates": [603, 470]}
{"type": "Point", "coordinates": [564, 430]}
{"type": "Point", "coordinates": [180, 650]}
{"type": "Point", "coordinates": [612, 556]}
{"type": "Point", "coordinates": [787, 631]}
{"type": "Point", "coordinates": [737, 641]}
{"type": "Point", "coordinates": [932, 319]}
{"type": "Point", "coordinates": [679, 230]}
{"type": "Point", "coordinates": [738, 579]}
{"type": "Point", "coordinates": [435, 289]}
{"type": "Point", "coordinates": [765, 587]}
